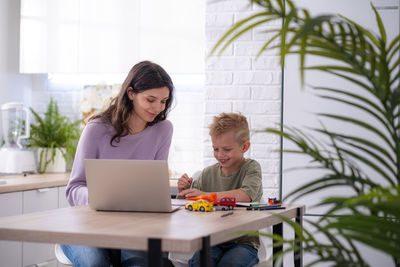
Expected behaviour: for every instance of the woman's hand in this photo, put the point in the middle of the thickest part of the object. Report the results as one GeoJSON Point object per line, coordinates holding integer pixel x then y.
{"type": "Point", "coordinates": [191, 192]}
{"type": "Point", "coordinates": [184, 182]}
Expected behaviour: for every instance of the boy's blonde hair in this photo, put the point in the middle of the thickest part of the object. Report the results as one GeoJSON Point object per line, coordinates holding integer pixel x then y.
{"type": "Point", "coordinates": [226, 122]}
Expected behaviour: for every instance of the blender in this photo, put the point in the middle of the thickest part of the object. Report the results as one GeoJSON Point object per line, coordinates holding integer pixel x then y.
{"type": "Point", "coordinates": [14, 158]}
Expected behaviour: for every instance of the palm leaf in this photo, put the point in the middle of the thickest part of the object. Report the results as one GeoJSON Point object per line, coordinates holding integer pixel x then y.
{"type": "Point", "coordinates": [266, 45]}
{"type": "Point", "coordinates": [283, 33]}
{"type": "Point", "coordinates": [393, 48]}
{"type": "Point", "coordinates": [371, 164]}
{"type": "Point", "coordinates": [363, 141]}
{"type": "Point", "coordinates": [361, 124]}
{"type": "Point", "coordinates": [364, 229]}
{"type": "Point", "coordinates": [359, 106]}
{"type": "Point", "coordinates": [362, 30]}
{"type": "Point", "coordinates": [369, 62]}
{"type": "Point", "coordinates": [357, 97]}
{"type": "Point", "coordinates": [380, 24]}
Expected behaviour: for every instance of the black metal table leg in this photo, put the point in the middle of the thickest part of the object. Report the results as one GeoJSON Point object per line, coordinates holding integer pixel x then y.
{"type": "Point", "coordinates": [154, 253]}
{"type": "Point", "coordinates": [298, 255]}
{"type": "Point", "coordinates": [115, 255]}
{"type": "Point", "coordinates": [277, 229]}
{"type": "Point", "coordinates": [205, 253]}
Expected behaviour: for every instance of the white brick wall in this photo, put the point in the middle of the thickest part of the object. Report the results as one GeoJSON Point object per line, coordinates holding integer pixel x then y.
{"type": "Point", "coordinates": [238, 82]}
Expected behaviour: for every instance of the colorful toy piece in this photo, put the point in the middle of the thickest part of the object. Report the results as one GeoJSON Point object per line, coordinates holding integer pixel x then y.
{"type": "Point", "coordinates": [226, 203]}
{"type": "Point", "coordinates": [210, 198]}
{"type": "Point", "coordinates": [200, 205]}
{"type": "Point", "coordinates": [274, 201]}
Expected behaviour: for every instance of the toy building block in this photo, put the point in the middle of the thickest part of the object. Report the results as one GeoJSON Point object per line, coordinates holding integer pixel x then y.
{"type": "Point", "coordinates": [210, 198]}
{"type": "Point", "coordinates": [274, 201]}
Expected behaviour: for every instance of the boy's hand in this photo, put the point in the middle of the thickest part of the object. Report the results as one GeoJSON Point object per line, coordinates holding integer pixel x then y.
{"type": "Point", "coordinates": [191, 192]}
{"type": "Point", "coordinates": [184, 182]}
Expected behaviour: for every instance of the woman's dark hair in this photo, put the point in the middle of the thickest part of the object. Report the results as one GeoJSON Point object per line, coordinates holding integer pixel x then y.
{"type": "Point", "coordinates": [143, 76]}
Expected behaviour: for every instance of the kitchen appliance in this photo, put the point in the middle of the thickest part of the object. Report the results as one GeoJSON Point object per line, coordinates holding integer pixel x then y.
{"type": "Point", "coordinates": [14, 158]}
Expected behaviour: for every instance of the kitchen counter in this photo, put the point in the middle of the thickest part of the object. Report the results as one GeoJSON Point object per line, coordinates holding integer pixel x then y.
{"type": "Point", "coordinates": [16, 183]}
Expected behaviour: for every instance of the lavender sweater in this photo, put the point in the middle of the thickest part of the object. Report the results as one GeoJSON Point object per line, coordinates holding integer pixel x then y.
{"type": "Point", "coordinates": [150, 144]}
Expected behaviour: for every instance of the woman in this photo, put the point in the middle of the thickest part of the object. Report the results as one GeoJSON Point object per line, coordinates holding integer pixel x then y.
{"type": "Point", "coordinates": [134, 126]}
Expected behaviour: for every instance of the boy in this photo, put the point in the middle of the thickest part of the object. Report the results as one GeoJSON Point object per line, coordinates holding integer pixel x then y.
{"type": "Point", "coordinates": [232, 176]}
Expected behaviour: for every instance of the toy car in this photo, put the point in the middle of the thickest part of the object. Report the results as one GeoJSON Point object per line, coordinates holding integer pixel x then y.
{"type": "Point", "coordinates": [226, 203]}
{"type": "Point", "coordinates": [200, 205]}
{"type": "Point", "coordinates": [274, 201]}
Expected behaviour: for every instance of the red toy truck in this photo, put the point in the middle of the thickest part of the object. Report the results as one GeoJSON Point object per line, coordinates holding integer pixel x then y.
{"type": "Point", "coordinates": [226, 203]}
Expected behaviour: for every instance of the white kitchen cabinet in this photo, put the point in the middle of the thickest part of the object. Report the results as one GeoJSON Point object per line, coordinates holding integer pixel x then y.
{"type": "Point", "coordinates": [40, 199]}
{"type": "Point", "coordinates": [50, 263]}
{"type": "Point", "coordinates": [62, 200]}
{"type": "Point", "coordinates": [10, 204]}
{"type": "Point", "coordinates": [27, 253]}
{"type": "Point", "coordinates": [78, 36]}
{"type": "Point", "coordinates": [110, 36]}
{"type": "Point", "coordinates": [33, 201]}
{"type": "Point", "coordinates": [49, 32]}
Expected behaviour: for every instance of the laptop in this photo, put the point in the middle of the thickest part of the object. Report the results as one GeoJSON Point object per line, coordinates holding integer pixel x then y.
{"type": "Point", "coordinates": [128, 185]}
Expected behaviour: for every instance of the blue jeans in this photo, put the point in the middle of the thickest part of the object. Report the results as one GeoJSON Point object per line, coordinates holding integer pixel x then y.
{"type": "Point", "coordinates": [226, 255]}
{"type": "Point", "coordinates": [82, 256]}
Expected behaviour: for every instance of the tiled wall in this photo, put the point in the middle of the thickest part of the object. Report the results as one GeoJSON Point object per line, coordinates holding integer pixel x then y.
{"type": "Point", "coordinates": [66, 90]}
{"type": "Point", "coordinates": [186, 114]}
{"type": "Point", "coordinates": [238, 82]}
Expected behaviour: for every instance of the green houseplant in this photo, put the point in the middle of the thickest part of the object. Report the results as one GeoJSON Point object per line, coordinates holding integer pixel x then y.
{"type": "Point", "coordinates": [53, 132]}
{"type": "Point", "coordinates": [371, 214]}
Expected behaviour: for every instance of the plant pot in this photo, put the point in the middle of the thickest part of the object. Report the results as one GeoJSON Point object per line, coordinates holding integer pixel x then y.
{"type": "Point", "coordinates": [58, 164]}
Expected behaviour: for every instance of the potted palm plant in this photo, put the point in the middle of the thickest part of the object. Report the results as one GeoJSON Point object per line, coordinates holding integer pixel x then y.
{"type": "Point", "coordinates": [371, 214]}
{"type": "Point", "coordinates": [54, 138]}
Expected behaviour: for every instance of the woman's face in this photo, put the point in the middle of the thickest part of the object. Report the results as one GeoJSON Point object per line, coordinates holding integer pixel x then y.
{"type": "Point", "coordinates": [148, 104]}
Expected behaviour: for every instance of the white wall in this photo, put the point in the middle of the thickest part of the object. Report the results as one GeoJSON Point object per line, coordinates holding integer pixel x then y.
{"type": "Point", "coordinates": [237, 82]}
{"type": "Point", "coordinates": [301, 106]}
{"type": "Point", "coordinates": [13, 86]}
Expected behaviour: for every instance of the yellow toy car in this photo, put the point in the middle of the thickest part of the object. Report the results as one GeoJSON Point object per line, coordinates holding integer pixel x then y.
{"type": "Point", "coordinates": [201, 205]}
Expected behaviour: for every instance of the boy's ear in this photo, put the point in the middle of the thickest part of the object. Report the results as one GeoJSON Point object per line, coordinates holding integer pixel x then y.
{"type": "Point", "coordinates": [245, 146]}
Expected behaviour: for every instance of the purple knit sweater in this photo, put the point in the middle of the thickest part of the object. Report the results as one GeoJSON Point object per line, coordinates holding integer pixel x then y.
{"type": "Point", "coordinates": [152, 143]}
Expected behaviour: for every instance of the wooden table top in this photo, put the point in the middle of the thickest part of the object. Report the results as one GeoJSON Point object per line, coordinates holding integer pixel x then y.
{"type": "Point", "coordinates": [180, 231]}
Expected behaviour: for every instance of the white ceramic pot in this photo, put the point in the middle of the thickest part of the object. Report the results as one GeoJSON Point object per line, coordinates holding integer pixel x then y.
{"type": "Point", "coordinates": [58, 165]}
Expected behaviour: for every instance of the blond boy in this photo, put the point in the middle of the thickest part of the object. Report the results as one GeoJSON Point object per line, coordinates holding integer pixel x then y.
{"type": "Point", "coordinates": [231, 176]}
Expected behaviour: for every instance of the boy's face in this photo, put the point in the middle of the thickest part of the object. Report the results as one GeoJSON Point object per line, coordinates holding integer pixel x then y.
{"type": "Point", "coordinates": [228, 152]}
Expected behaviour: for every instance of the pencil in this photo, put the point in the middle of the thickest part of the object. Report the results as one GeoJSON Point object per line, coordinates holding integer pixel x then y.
{"type": "Point", "coordinates": [226, 214]}
{"type": "Point", "coordinates": [265, 208]}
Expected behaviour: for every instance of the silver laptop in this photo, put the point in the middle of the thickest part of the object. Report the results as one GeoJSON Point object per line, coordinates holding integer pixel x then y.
{"type": "Point", "coordinates": [128, 185]}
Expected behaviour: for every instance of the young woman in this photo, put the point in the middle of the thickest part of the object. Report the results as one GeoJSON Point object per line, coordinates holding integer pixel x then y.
{"type": "Point", "coordinates": [134, 126]}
